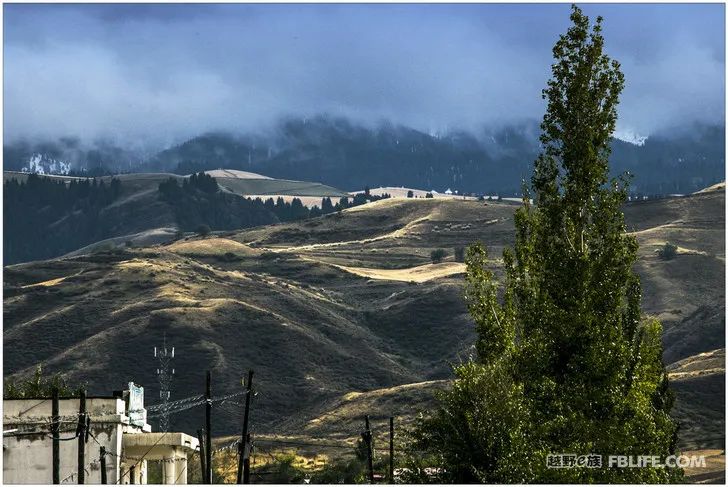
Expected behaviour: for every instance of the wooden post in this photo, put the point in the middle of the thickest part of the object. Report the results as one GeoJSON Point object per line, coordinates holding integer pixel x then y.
{"type": "Point", "coordinates": [391, 450]}
{"type": "Point", "coordinates": [208, 429]}
{"type": "Point", "coordinates": [102, 459]}
{"type": "Point", "coordinates": [246, 460]}
{"type": "Point", "coordinates": [201, 439]}
{"type": "Point", "coordinates": [368, 440]}
{"type": "Point", "coordinates": [81, 430]}
{"type": "Point", "coordinates": [55, 429]}
{"type": "Point", "coordinates": [243, 466]}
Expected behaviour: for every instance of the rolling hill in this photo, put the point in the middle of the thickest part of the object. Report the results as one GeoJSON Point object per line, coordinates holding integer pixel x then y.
{"type": "Point", "coordinates": [136, 213]}
{"type": "Point", "coordinates": [348, 303]}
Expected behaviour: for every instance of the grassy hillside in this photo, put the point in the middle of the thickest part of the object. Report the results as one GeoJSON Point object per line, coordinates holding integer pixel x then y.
{"type": "Point", "coordinates": [39, 229]}
{"type": "Point", "coordinates": [346, 303]}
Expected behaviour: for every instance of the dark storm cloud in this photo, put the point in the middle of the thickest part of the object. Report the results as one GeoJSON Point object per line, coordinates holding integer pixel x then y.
{"type": "Point", "coordinates": [159, 72]}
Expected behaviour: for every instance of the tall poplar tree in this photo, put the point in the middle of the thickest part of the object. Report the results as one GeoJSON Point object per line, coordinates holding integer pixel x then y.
{"type": "Point", "coordinates": [578, 367]}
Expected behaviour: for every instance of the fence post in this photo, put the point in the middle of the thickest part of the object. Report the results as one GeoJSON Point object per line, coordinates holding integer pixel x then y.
{"type": "Point", "coordinates": [102, 454]}
{"type": "Point", "coordinates": [55, 428]}
{"type": "Point", "coordinates": [368, 440]}
{"type": "Point", "coordinates": [81, 431]}
{"type": "Point", "coordinates": [208, 429]}
{"type": "Point", "coordinates": [391, 449]}
{"type": "Point", "coordinates": [203, 470]}
{"type": "Point", "coordinates": [243, 465]}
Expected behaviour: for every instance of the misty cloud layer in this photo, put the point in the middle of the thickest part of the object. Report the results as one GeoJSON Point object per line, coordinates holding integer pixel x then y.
{"type": "Point", "coordinates": [157, 73]}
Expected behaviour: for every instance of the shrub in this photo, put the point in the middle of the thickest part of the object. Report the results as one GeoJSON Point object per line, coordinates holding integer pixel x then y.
{"type": "Point", "coordinates": [459, 254]}
{"type": "Point", "coordinates": [38, 385]}
{"type": "Point", "coordinates": [437, 255]}
{"type": "Point", "coordinates": [410, 194]}
{"type": "Point", "coordinates": [668, 251]}
{"type": "Point", "coordinates": [229, 257]}
{"type": "Point", "coordinates": [202, 230]}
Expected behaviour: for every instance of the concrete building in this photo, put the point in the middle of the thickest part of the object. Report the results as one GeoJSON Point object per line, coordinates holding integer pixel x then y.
{"type": "Point", "coordinates": [117, 423]}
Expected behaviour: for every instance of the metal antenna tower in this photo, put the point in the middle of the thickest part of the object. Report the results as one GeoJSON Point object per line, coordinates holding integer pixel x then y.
{"type": "Point", "coordinates": [164, 376]}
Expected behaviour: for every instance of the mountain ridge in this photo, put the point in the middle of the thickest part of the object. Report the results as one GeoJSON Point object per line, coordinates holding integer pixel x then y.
{"type": "Point", "coordinates": [345, 154]}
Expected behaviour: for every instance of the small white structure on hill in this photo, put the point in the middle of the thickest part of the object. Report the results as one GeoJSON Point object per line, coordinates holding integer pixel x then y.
{"type": "Point", "coordinates": [117, 423]}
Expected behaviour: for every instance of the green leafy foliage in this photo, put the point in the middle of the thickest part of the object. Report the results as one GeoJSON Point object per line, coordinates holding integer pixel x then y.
{"type": "Point", "coordinates": [437, 255]}
{"type": "Point", "coordinates": [479, 434]}
{"type": "Point", "coordinates": [38, 385]}
{"type": "Point", "coordinates": [667, 251]}
{"type": "Point", "coordinates": [565, 363]}
{"type": "Point", "coordinates": [459, 254]}
{"type": "Point", "coordinates": [202, 230]}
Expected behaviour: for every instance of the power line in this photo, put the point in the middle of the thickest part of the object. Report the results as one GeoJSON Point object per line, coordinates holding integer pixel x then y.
{"type": "Point", "coordinates": [171, 404]}
{"type": "Point", "coordinates": [304, 443]}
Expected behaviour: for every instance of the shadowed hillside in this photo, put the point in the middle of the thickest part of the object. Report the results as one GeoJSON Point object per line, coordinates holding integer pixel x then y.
{"type": "Point", "coordinates": [55, 215]}
{"type": "Point", "coordinates": [348, 302]}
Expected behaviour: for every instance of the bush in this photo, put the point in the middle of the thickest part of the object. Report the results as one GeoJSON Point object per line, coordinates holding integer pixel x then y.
{"type": "Point", "coordinates": [479, 431]}
{"type": "Point", "coordinates": [429, 195]}
{"type": "Point", "coordinates": [38, 385]}
{"type": "Point", "coordinates": [202, 230]}
{"type": "Point", "coordinates": [459, 254]}
{"type": "Point", "coordinates": [410, 194]}
{"type": "Point", "coordinates": [229, 257]}
{"type": "Point", "coordinates": [668, 251]}
{"type": "Point", "coordinates": [437, 255]}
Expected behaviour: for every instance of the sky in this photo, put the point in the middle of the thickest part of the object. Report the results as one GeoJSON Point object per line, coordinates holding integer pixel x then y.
{"type": "Point", "coordinates": [164, 72]}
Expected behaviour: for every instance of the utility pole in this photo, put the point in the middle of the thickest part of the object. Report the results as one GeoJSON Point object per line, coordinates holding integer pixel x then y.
{"type": "Point", "coordinates": [81, 432]}
{"type": "Point", "coordinates": [208, 428]}
{"type": "Point", "coordinates": [164, 376]}
{"type": "Point", "coordinates": [201, 440]}
{"type": "Point", "coordinates": [244, 445]}
{"type": "Point", "coordinates": [55, 429]}
{"type": "Point", "coordinates": [102, 459]}
{"type": "Point", "coordinates": [367, 436]}
{"type": "Point", "coordinates": [246, 463]}
{"type": "Point", "coordinates": [391, 449]}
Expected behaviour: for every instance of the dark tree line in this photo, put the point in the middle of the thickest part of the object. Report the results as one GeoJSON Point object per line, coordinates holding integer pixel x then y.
{"type": "Point", "coordinates": [50, 217]}
{"type": "Point", "coordinates": [198, 202]}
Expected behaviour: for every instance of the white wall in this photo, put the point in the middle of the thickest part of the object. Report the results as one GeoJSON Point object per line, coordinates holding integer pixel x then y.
{"type": "Point", "coordinates": [28, 459]}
